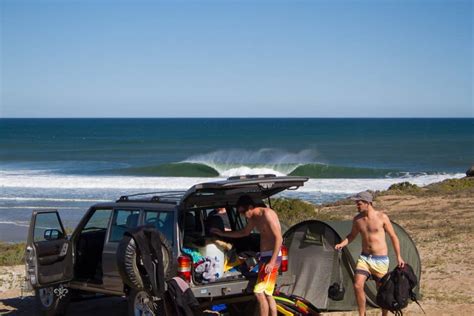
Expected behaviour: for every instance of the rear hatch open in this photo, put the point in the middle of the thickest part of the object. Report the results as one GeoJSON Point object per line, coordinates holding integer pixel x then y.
{"type": "Point", "coordinates": [209, 195]}
{"type": "Point", "coordinates": [227, 192]}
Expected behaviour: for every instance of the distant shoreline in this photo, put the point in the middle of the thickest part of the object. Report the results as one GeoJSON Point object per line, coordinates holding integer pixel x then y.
{"type": "Point", "coordinates": [236, 118]}
{"type": "Point", "coordinates": [11, 233]}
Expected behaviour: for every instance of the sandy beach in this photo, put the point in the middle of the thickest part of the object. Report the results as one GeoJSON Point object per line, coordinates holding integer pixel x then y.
{"type": "Point", "coordinates": [441, 224]}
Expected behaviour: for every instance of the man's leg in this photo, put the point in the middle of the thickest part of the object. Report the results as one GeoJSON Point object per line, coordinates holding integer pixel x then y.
{"type": "Point", "coordinates": [379, 267]}
{"type": "Point", "coordinates": [359, 282]}
{"type": "Point", "coordinates": [272, 306]}
{"type": "Point", "coordinates": [262, 304]}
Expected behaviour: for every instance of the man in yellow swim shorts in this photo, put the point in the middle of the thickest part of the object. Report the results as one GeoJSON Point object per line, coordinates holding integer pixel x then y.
{"type": "Point", "coordinates": [372, 226]}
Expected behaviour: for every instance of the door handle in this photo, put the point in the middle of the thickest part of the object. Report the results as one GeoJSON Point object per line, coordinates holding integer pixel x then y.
{"type": "Point", "coordinates": [64, 249]}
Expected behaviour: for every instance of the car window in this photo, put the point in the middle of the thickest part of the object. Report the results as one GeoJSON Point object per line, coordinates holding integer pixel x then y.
{"type": "Point", "coordinates": [98, 221]}
{"type": "Point", "coordinates": [162, 221]}
{"type": "Point", "coordinates": [122, 221]}
{"type": "Point", "coordinates": [47, 223]}
{"type": "Point", "coordinates": [241, 221]}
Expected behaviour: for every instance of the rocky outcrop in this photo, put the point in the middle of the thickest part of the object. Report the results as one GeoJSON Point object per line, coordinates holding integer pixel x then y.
{"type": "Point", "coordinates": [470, 172]}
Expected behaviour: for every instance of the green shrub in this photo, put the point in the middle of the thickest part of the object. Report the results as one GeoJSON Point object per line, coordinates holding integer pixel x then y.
{"type": "Point", "coordinates": [11, 254]}
{"type": "Point", "coordinates": [292, 211]}
{"type": "Point", "coordinates": [405, 187]}
{"type": "Point", "coordinates": [452, 185]}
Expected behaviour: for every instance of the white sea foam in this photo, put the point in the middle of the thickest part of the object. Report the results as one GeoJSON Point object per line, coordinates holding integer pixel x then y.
{"type": "Point", "coordinates": [349, 186]}
{"type": "Point", "coordinates": [247, 170]}
{"type": "Point", "coordinates": [22, 224]}
{"type": "Point", "coordinates": [182, 183]}
{"type": "Point", "coordinates": [266, 160]}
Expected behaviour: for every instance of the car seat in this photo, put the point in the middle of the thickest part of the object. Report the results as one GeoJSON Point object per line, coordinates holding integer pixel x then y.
{"type": "Point", "coordinates": [214, 221]}
{"type": "Point", "coordinates": [189, 223]}
{"type": "Point", "coordinates": [119, 230]}
{"type": "Point", "coordinates": [132, 220]}
{"type": "Point", "coordinates": [167, 228]}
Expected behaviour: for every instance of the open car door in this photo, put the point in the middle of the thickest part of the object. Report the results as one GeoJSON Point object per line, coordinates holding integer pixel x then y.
{"type": "Point", "coordinates": [48, 254]}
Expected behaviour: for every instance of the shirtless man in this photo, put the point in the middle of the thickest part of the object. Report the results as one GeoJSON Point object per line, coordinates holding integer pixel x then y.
{"type": "Point", "coordinates": [373, 261]}
{"type": "Point", "coordinates": [265, 220]}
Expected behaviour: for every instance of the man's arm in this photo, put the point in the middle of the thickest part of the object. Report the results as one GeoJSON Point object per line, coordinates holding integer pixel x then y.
{"type": "Point", "coordinates": [275, 229]}
{"type": "Point", "coordinates": [352, 235]}
{"type": "Point", "coordinates": [235, 234]}
{"type": "Point", "coordinates": [393, 236]}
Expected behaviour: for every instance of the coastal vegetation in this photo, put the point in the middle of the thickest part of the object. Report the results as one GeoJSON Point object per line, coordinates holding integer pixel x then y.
{"type": "Point", "coordinates": [11, 253]}
{"type": "Point", "coordinates": [293, 211]}
{"type": "Point", "coordinates": [447, 186]}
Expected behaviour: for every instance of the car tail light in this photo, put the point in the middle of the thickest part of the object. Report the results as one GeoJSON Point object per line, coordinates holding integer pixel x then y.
{"type": "Point", "coordinates": [284, 259]}
{"type": "Point", "coordinates": [184, 268]}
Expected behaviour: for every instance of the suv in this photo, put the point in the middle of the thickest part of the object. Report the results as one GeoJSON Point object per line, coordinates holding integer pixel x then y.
{"type": "Point", "coordinates": [88, 260]}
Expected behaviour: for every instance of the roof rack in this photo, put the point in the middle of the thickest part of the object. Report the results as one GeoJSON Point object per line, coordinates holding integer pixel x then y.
{"type": "Point", "coordinates": [157, 196]}
{"type": "Point", "coordinates": [252, 176]}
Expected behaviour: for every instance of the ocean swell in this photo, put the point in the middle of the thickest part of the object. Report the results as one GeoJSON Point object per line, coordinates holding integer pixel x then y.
{"type": "Point", "coordinates": [212, 169]}
{"type": "Point", "coordinates": [227, 163]}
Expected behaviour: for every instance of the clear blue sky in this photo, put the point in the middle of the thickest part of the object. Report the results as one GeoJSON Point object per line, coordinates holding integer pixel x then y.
{"type": "Point", "coordinates": [236, 58]}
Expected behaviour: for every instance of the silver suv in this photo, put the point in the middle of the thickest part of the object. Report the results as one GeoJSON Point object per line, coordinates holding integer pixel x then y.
{"type": "Point", "coordinates": [59, 266]}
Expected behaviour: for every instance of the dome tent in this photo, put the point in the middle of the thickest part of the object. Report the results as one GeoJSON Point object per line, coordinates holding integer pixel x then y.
{"type": "Point", "coordinates": [313, 262]}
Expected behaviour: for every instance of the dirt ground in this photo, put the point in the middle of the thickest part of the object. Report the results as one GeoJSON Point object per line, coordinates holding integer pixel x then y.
{"type": "Point", "coordinates": [441, 225]}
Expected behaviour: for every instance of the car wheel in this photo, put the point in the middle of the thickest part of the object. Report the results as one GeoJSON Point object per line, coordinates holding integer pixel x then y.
{"type": "Point", "coordinates": [129, 265]}
{"type": "Point", "coordinates": [140, 303]}
{"type": "Point", "coordinates": [52, 300]}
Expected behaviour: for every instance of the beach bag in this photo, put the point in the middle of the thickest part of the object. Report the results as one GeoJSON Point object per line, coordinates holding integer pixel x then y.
{"type": "Point", "coordinates": [336, 291]}
{"type": "Point", "coordinates": [396, 289]}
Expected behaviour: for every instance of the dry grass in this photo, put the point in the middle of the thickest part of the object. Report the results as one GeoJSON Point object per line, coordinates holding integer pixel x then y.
{"type": "Point", "coordinates": [440, 219]}
{"type": "Point", "coordinates": [11, 254]}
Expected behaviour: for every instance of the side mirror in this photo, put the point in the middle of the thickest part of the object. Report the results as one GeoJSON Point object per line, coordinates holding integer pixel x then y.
{"type": "Point", "coordinates": [53, 234]}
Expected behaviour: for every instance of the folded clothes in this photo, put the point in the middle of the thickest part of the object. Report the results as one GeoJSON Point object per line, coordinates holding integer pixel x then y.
{"type": "Point", "coordinates": [194, 253]}
{"type": "Point", "coordinates": [208, 269]}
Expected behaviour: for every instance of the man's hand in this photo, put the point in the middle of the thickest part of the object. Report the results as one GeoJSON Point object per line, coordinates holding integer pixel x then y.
{"type": "Point", "coordinates": [343, 243]}
{"type": "Point", "coordinates": [216, 231]}
{"type": "Point", "coordinates": [401, 263]}
{"type": "Point", "coordinates": [269, 267]}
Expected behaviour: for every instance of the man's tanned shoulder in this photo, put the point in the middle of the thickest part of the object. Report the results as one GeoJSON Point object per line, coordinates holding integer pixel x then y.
{"type": "Point", "coordinates": [383, 216]}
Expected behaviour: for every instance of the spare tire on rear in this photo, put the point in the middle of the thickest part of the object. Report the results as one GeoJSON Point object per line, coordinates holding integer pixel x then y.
{"type": "Point", "coordinates": [130, 266]}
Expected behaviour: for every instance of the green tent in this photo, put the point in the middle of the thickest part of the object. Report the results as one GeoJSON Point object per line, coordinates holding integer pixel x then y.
{"type": "Point", "coordinates": [313, 264]}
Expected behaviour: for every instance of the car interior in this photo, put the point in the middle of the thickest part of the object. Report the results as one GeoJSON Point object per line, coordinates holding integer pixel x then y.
{"type": "Point", "coordinates": [89, 247]}
{"type": "Point", "coordinates": [197, 226]}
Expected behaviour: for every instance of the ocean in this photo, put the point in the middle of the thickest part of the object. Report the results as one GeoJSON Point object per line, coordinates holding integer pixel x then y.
{"type": "Point", "coordinates": [70, 164]}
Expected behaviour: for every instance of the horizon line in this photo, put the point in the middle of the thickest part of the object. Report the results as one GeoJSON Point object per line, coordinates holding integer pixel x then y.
{"type": "Point", "coordinates": [245, 117]}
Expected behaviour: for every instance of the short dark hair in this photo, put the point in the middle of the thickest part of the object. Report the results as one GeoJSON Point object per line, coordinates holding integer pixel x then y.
{"type": "Point", "coordinates": [245, 201]}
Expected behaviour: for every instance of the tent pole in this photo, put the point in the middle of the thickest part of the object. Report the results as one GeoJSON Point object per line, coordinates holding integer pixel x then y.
{"type": "Point", "coordinates": [269, 202]}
